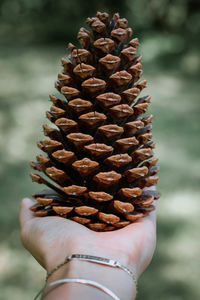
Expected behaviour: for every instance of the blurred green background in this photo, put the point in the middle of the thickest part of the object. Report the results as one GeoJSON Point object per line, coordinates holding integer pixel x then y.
{"type": "Point", "coordinates": [34, 36]}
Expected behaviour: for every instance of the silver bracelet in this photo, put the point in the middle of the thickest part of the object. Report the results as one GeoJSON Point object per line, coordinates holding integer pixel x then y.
{"type": "Point", "coordinates": [81, 281]}
{"type": "Point", "coordinates": [94, 259]}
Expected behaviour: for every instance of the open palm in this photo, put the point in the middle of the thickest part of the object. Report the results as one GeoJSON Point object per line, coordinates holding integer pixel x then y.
{"type": "Point", "coordinates": [50, 239]}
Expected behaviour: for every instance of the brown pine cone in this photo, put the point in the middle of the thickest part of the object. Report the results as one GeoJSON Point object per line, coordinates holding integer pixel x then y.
{"type": "Point", "coordinates": [100, 156]}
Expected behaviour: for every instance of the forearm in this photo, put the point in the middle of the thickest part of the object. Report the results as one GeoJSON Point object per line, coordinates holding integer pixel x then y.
{"type": "Point", "coordinates": [117, 280]}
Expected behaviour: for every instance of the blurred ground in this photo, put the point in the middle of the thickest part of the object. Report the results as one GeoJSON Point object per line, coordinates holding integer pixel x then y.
{"type": "Point", "coordinates": [27, 79]}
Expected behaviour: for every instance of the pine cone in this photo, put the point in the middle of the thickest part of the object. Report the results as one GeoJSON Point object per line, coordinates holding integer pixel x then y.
{"type": "Point", "coordinates": [100, 156]}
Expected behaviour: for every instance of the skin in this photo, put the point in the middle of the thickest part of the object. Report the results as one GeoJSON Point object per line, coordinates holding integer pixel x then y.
{"type": "Point", "coordinates": [50, 239]}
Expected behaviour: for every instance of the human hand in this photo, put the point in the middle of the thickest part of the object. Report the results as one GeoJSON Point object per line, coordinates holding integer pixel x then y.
{"type": "Point", "coordinates": [50, 239]}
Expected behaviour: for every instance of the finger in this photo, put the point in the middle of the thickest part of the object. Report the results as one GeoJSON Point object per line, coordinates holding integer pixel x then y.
{"type": "Point", "coordinates": [148, 224]}
{"type": "Point", "coordinates": [151, 216]}
{"type": "Point", "coordinates": [145, 225]}
{"type": "Point", "coordinates": [25, 213]}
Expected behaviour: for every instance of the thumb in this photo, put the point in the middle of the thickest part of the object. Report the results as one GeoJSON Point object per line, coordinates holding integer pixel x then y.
{"type": "Point", "coordinates": [26, 214]}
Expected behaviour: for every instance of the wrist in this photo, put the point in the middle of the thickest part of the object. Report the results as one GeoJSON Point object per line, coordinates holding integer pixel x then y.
{"type": "Point", "coordinates": [115, 279]}
{"type": "Point", "coordinates": [89, 248]}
